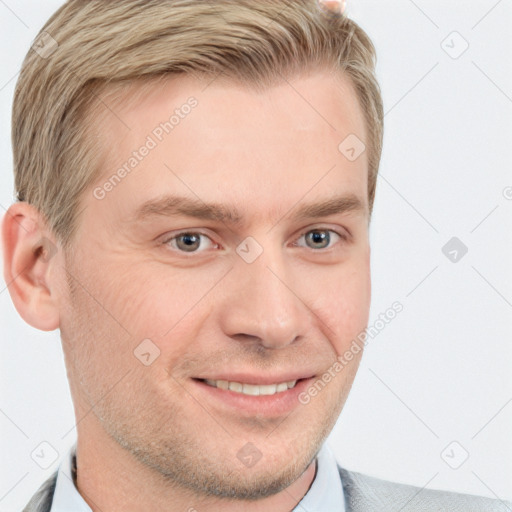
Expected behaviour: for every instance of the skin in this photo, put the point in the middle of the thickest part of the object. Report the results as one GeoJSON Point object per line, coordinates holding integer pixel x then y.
{"type": "Point", "coordinates": [148, 435]}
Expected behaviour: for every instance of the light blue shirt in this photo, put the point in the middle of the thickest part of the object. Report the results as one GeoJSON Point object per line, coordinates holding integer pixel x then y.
{"type": "Point", "coordinates": [324, 495]}
{"type": "Point", "coordinates": [326, 492]}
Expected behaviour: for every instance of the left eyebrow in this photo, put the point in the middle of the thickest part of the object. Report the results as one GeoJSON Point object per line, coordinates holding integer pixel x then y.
{"type": "Point", "coordinates": [335, 205]}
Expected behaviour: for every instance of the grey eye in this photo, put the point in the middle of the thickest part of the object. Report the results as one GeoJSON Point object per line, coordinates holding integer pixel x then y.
{"type": "Point", "coordinates": [189, 241]}
{"type": "Point", "coordinates": [320, 238]}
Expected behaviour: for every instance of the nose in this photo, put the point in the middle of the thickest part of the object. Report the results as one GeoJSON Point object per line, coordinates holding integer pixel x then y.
{"type": "Point", "coordinates": [262, 303]}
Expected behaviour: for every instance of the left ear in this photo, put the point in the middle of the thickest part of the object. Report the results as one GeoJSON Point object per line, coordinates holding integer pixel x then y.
{"type": "Point", "coordinates": [29, 251]}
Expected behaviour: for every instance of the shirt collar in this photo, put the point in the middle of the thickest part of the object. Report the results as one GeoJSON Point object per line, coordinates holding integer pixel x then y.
{"type": "Point", "coordinates": [326, 492]}
{"type": "Point", "coordinates": [66, 496]}
{"type": "Point", "coordinates": [324, 495]}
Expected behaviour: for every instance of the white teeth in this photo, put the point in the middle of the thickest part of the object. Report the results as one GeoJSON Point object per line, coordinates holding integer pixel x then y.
{"type": "Point", "coordinates": [252, 389]}
{"type": "Point", "coordinates": [249, 389]}
{"type": "Point", "coordinates": [236, 386]}
{"type": "Point", "coordinates": [270, 389]}
{"type": "Point", "coordinates": [222, 384]}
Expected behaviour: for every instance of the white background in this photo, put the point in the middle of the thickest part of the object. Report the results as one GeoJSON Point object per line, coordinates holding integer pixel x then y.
{"type": "Point", "coordinates": [441, 370]}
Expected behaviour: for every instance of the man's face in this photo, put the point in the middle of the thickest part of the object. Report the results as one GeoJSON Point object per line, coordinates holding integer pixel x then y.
{"type": "Point", "coordinates": [210, 303]}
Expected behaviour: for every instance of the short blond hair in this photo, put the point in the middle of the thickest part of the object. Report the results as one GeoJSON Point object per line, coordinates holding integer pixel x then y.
{"type": "Point", "coordinates": [94, 44]}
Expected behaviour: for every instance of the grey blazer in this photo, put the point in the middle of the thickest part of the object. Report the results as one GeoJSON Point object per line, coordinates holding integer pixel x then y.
{"type": "Point", "coordinates": [363, 493]}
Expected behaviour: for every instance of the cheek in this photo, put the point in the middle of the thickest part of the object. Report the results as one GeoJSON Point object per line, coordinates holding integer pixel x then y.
{"type": "Point", "coordinates": [343, 305]}
{"type": "Point", "coordinates": [159, 301]}
{"type": "Point", "coordinates": [150, 301]}
{"type": "Point", "coordinates": [142, 300]}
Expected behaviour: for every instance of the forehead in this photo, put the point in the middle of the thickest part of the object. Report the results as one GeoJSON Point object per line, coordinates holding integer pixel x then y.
{"type": "Point", "coordinates": [234, 142]}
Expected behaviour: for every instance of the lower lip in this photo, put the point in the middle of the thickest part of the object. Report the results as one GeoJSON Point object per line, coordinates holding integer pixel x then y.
{"type": "Point", "coordinates": [274, 405]}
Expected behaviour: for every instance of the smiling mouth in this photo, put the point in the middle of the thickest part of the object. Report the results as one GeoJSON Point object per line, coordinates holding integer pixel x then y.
{"type": "Point", "coordinates": [251, 389]}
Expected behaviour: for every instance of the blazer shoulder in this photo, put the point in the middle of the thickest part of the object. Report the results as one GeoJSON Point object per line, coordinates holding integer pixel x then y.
{"type": "Point", "coordinates": [367, 493]}
{"type": "Point", "coordinates": [43, 498]}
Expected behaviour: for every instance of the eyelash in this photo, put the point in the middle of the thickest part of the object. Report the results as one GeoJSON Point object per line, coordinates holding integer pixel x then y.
{"type": "Point", "coordinates": [167, 240]}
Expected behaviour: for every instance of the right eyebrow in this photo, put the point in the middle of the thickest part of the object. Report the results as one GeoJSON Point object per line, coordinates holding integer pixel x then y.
{"type": "Point", "coordinates": [173, 205]}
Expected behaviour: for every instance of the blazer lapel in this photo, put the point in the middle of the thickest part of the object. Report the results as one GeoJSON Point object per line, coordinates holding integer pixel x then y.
{"type": "Point", "coordinates": [42, 499]}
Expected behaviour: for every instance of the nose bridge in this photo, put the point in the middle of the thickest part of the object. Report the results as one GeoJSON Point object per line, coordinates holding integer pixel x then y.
{"type": "Point", "coordinates": [264, 303]}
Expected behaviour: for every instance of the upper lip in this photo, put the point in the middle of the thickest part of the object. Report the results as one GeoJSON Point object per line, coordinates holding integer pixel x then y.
{"type": "Point", "coordinates": [258, 380]}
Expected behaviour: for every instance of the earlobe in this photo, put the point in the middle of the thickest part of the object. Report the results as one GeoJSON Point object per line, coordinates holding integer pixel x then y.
{"type": "Point", "coordinates": [30, 251]}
